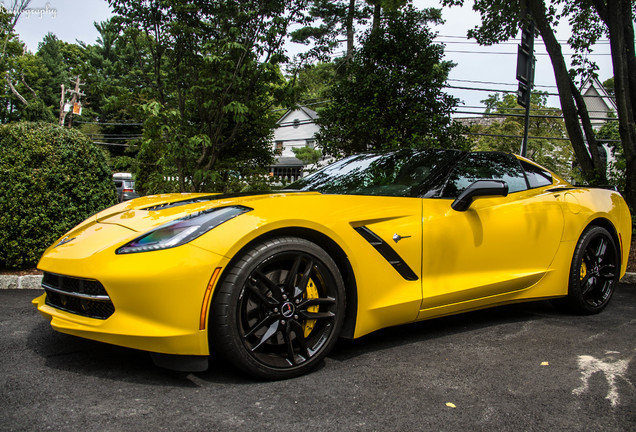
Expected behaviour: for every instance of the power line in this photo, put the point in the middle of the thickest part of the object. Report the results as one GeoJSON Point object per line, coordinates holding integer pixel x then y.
{"type": "Point", "coordinates": [483, 108]}
{"type": "Point", "coordinates": [113, 144]}
{"type": "Point", "coordinates": [498, 83]}
{"type": "Point", "coordinates": [472, 42]}
{"type": "Point", "coordinates": [514, 91]}
{"type": "Point", "coordinates": [600, 41]}
{"type": "Point", "coordinates": [531, 137]}
{"type": "Point", "coordinates": [111, 124]}
{"type": "Point", "coordinates": [514, 53]}
{"type": "Point", "coordinates": [117, 138]}
{"type": "Point", "coordinates": [542, 116]}
{"type": "Point", "coordinates": [115, 134]}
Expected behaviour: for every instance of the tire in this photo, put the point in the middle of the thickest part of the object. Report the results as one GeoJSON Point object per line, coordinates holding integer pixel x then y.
{"type": "Point", "coordinates": [279, 309]}
{"type": "Point", "coordinates": [594, 272]}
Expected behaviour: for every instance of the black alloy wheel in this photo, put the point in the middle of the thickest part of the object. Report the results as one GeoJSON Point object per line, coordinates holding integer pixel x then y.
{"type": "Point", "coordinates": [279, 310]}
{"type": "Point", "coordinates": [594, 271]}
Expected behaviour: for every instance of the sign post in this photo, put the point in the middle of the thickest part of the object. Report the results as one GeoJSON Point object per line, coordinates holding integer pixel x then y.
{"type": "Point", "coordinates": [525, 76]}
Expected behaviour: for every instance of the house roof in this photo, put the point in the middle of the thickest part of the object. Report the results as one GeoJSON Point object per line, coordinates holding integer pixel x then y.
{"type": "Point", "coordinates": [307, 111]}
{"type": "Point", "coordinates": [592, 88]}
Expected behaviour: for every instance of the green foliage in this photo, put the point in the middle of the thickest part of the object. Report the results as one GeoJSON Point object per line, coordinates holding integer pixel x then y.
{"type": "Point", "coordinates": [555, 154]}
{"type": "Point", "coordinates": [617, 166]}
{"type": "Point", "coordinates": [212, 80]}
{"type": "Point", "coordinates": [308, 155]}
{"type": "Point", "coordinates": [51, 178]}
{"type": "Point", "coordinates": [313, 82]}
{"type": "Point", "coordinates": [393, 95]}
{"type": "Point", "coordinates": [327, 23]}
{"type": "Point", "coordinates": [38, 111]}
{"type": "Point", "coordinates": [609, 86]}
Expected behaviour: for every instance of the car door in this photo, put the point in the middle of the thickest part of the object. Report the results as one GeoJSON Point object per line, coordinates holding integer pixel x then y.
{"type": "Point", "coordinates": [498, 246]}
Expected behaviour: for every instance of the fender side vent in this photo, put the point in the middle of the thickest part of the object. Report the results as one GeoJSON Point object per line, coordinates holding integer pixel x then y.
{"type": "Point", "coordinates": [388, 253]}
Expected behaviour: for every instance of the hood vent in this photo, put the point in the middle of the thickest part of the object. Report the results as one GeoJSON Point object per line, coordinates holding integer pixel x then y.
{"type": "Point", "coordinates": [203, 199]}
{"type": "Point", "coordinates": [181, 203]}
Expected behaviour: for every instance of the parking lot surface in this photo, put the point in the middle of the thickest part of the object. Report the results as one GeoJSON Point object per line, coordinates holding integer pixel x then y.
{"type": "Point", "coordinates": [523, 367]}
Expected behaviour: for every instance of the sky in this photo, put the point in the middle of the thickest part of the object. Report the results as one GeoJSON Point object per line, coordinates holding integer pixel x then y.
{"type": "Point", "coordinates": [476, 67]}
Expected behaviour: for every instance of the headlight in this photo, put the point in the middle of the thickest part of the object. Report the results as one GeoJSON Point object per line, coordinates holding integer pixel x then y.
{"type": "Point", "coordinates": [182, 231]}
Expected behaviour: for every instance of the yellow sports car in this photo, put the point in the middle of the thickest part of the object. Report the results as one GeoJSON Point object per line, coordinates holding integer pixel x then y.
{"type": "Point", "coordinates": [270, 281]}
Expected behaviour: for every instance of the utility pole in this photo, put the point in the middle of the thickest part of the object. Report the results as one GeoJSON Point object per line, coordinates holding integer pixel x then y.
{"type": "Point", "coordinates": [73, 106]}
{"type": "Point", "coordinates": [525, 76]}
{"type": "Point", "coordinates": [62, 112]}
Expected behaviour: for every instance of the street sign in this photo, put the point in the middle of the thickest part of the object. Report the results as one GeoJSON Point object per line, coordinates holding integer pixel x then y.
{"type": "Point", "coordinates": [525, 76]}
{"type": "Point", "coordinates": [525, 65]}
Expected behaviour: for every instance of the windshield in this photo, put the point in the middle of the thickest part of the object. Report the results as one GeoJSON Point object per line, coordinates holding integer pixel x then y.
{"type": "Point", "coordinates": [403, 173]}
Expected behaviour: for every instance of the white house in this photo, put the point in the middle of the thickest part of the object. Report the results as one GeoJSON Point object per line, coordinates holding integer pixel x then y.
{"type": "Point", "coordinates": [598, 101]}
{"type": "Point", "coordinates": [601, 107]}
{"type": "Point", "coordinates": [295, 129]}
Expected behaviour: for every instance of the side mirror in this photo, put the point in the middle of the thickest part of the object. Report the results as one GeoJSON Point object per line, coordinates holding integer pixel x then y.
{"type": "Point", "coordinates": [480, 188]}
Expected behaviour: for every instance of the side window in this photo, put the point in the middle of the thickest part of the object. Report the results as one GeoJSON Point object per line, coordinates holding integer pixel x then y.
{"type": "Point", "coordinates": [119, 183]}
{"type": "Point", "coordinates": [537, 177]}
{"type": "Point", "coordinates": [485, 166]}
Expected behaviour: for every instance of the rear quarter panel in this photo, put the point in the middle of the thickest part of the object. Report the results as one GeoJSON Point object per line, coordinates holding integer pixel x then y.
{"type": "Point", "coordinates": [585, 206]}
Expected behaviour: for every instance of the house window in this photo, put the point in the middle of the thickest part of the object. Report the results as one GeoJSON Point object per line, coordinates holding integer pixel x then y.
{"type": "Point", "coordinates": [296, 123]}
{"type": "Point", "coordinates": [310, 143]}
{"type": "Point", "coordinates": [279, 147]}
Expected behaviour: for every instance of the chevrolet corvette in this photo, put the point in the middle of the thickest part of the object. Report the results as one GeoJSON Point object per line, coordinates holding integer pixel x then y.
{"type": "Point", "coordinates": [270, 281]}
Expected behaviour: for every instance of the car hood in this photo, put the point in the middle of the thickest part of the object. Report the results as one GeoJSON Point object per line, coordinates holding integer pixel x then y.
{"type": "Point", "coordinates": [146, 213]}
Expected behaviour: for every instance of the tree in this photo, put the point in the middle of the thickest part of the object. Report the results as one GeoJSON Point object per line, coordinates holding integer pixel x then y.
{"type": "Point", "coordinates": [590, 20]}
{"type": "Point", "coordinates": [215, 69]}
{"type": "Point", "coordinates": [20, 99]}
{"type": "Point", "coordinates": [393, 96]}
{"type": "Point", "coordinates": [327, 22]}
{"type": "Point", "coordinates": [51, 178]}
{"type": "Point", "coordinates": [614, 19]}
{"type": "Point", "coordinates": [307, 155]}
{"type": "Point", "coordinates": [609, 135]}
{"type": "Point", "coordinates": [313, 82]}
{"type": "Point", "coordinates": [549, 148]}
{"type": "Point", "coordinates": [500, 22]}
{"type": "Point", "coordinates": [618, 18]}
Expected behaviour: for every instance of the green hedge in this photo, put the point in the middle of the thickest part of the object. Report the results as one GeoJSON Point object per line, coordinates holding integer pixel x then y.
{"type": "Point", "coordinates": [51, 178]}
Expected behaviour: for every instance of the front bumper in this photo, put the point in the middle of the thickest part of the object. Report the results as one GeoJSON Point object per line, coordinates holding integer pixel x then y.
{"type": "Point", "coordinates": [159, 297]}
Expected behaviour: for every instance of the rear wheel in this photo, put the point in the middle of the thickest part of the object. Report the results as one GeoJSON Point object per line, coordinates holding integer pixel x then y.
{"type": "Point", "coordinates": [594, 271]}
{"type": "Point", "coordinates": [279, 309]}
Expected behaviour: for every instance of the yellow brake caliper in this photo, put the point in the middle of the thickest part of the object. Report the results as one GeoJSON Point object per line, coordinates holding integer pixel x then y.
{"type": "Point", "coordinates": [583, 269]}
{"type": "Point", "coordinates": [311, 292]}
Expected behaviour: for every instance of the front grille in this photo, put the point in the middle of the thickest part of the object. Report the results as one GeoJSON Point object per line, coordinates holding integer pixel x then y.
{"type": "Point", "coordinates": [86, 297]}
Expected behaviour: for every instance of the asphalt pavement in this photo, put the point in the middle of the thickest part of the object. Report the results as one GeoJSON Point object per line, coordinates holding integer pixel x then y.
{"type": "Point", "coordinates": [523, 367]}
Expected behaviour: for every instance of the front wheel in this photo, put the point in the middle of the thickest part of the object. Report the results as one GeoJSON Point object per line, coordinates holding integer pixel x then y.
{"type": "Point", "coordinates": [594, 271]}
{"type": "Point", "coordinates": [279, 309]}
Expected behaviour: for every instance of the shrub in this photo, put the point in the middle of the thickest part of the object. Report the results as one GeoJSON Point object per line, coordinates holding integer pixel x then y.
{"type": "Point", "coordinates": [51, 178]}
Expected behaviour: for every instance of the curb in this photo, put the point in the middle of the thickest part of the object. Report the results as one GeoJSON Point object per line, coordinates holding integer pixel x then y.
{"type": "Point", "coordinates": [34, 281]}
{"type": "Point", "coordinates": [629, 278]}
{"type": "Point", "coordinates": [20, 282]}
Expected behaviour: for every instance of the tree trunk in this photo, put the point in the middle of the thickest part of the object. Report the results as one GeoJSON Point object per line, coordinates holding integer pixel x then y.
{"type": "Point", "coordinates": [377, 16]}
{"type": "Point", "coordinates": [589, 164]}
{"type": "Point", "coordinates": [350, 31]}
{"type": "Point", "coordinates": [618, 17]}
{"type": "Point", "coordinates": [621, 29]}
{"type": "Point", "coordinates": [13, 89]}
